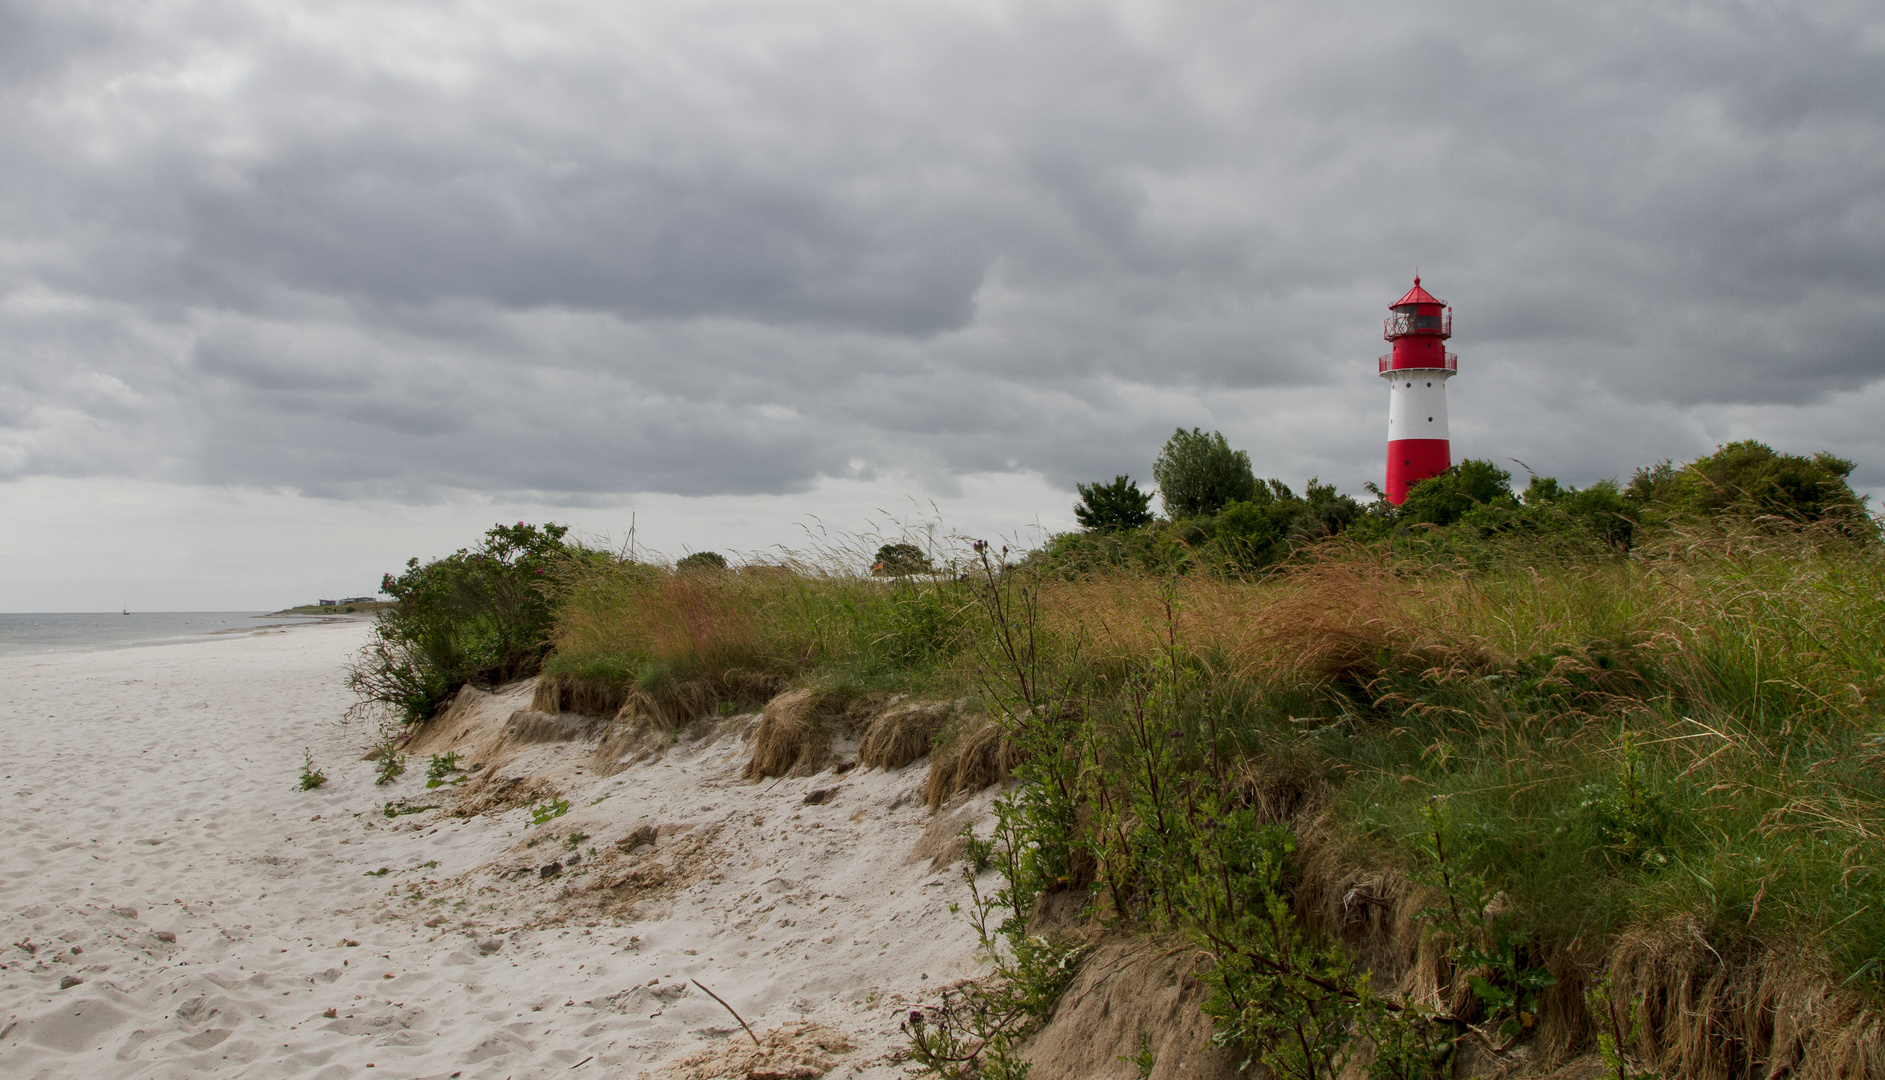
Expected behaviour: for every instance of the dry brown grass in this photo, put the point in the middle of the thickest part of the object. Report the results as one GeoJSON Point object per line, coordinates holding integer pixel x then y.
{"type": "Point", "coordinates": [560, 692]}
{"type": "Point", "coordinates": [1712, 1016]}
{"type": "Point", "coordinates": [978, 756]}
{"type": "Point", "coordinates": [789, 741]}
{"type": "Point", "coordinates": [902, 734]}
{"type": "Point", "coordinates": [1318, 622]}
{"type": "Point", "coordinates": [1127, 991]}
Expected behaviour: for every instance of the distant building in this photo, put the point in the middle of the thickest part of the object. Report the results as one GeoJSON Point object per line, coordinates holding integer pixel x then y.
{"type": "Point", "coordinates": [327, 603]}
{"type": "Point", "coordinates": [361, 600]}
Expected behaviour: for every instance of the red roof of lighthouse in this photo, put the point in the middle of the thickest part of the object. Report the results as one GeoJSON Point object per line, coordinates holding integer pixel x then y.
{"type": "Point", "coordinates": [1417, 295]}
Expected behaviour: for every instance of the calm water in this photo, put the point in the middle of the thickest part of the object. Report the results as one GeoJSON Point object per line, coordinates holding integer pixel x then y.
{"type": "Point", "coordinates": [28, 632]}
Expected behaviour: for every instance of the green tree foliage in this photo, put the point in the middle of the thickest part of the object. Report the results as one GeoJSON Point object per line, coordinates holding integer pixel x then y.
{"type": "Point", "coordinates": [1199, 474]}
{"type": "Point", "coordinates": [901, 560]}
{"type": "Point", "coordinates": [1111, 507]}
{"type": "Point", "coordinates": [1242, 536]}
{"type": "Point", "coordinates": [1600, 509]}
{"type": "Point", "coordinates": [702, 560]}
{"type": "Point", "coordinates": [1444, 499]}
{"type": "Point", "coordinates": [481, 615]}
{"type": "Point", "coordinates": [1750, 477]}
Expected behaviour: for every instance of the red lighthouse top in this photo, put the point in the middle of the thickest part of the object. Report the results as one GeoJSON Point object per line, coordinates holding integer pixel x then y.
{"type": "Point", "coordinates": [1416, 295]}
{"type": "Point", "coordinates": [1420, 324]}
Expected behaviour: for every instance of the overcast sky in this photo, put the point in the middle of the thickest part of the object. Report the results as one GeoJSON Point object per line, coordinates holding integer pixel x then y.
{"type": "Point", "coordinates": [291, 291]}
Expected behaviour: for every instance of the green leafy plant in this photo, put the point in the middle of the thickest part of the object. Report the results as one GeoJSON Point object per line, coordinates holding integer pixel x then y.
{"type": "Point", "coordinates": [701, 560]}
{"type": "Point", "coordinates": [440, 767]}
{"type": "Point", "coordinates": [1620, 1025]}
{"type": "Point", "coordinates": [548, 811]}
{"type": "Point", "coordinates": [1146, 1059]}
{"type": "Point", "coordinates": [381, 872]}
{"type": "Point", "coordinates": [311, 777]}
{"type": "Point", "coordinates": [402, 807]}
{"type": "Point", "coordinates": [1493, 955]}
{"type": "Point", "coordinates": [390, 764]}
{"type": "Point", "coordinates": [1629, 812]}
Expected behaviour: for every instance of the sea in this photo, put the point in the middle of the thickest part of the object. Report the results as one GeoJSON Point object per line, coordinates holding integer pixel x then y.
{"type": "Point", "coordinates": [89, 631]}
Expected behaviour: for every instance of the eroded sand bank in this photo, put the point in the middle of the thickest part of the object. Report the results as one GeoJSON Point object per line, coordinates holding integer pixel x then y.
{"type": "Point", "coordinates": [207, 918]}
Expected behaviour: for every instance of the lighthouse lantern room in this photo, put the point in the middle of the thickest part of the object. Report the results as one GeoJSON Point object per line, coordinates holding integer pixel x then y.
{"type": "Point", "coordinates": [1417, 371]}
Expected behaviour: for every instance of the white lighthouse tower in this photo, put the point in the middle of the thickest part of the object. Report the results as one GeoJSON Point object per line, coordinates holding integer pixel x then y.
{"type": "Point", "coordinates": [1417, 371]}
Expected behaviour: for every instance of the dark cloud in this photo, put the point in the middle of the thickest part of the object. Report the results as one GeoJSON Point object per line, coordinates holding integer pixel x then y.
{"type": "Point", "coordinates": [401, 250]}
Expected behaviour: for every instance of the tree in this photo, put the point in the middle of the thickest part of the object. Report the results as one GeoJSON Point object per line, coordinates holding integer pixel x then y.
{"type": "Point", "coordinates": [1601, 508]}
{"type": "Point", "coordinates": [1199, 474]}
{"type": "Point", "coordinates": [901, 560]}
{"type": "Point", "coordinates": [702, 560]}
{"type": "Point", "coordinates": [1444, 499]}
{"type": "Point", "coordinates": [1112, 507]}
{"type": "Point", "coordinates": [1750, 477]}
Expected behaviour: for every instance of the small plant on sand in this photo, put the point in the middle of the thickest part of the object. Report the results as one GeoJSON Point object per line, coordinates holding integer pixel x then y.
{"type": "Point", "coordinates": [1146, 1059]}
{"type": "Point", "coordinates": [381, 872]}
{"type": "Point", "coordinates": [391, 765]}
{"type": "Point", "coordinates": [439, 770]}
{"type": "Point", "coordinates": [311, 777]}
{"type": "Point", "coordinates": [402, 807]}
{"type": "Point", "coordinates": [548, 811]}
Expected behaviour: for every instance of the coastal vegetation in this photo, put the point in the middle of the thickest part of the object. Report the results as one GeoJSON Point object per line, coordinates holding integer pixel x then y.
{"type": "Point", "coordinates": [1559, 769]}
{"type": "Point", "coordinates": [477, 616]}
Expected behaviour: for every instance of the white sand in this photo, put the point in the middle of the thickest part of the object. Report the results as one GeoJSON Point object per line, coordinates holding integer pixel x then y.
{"type": "Point", "coordinates": [152, 792]}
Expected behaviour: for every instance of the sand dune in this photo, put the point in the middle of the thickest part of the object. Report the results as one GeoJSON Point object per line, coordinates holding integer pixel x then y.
{"type": "Point", "coordinates": [171, 905]}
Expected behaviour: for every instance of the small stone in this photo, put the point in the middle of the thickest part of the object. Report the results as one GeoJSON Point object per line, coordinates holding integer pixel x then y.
{"type": "Point", "coordinates": [166, 937]}
{"type": "Point", "coordinates": [489, 945]}
{"type": "Point", "coordinates": [125, 912]}
{"type": "Point", "coordinates": [550, 871]}
{"type": "Point", "coordinates": [69, 982]}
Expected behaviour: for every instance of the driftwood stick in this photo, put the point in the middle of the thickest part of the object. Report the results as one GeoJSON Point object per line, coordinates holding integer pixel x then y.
{"type": "Point", "coordinates": [729, 1008]}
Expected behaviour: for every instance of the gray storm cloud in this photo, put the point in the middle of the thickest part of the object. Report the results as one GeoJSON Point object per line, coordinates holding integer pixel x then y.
{"type": "Point", "coordinates": [588, 249]}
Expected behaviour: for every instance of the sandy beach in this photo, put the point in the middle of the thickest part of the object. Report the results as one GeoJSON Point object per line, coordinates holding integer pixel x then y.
{"type": "Point", "coordinates": [171, 905]}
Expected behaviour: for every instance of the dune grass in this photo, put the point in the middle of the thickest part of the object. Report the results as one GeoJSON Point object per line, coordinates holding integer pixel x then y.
{"type": "Point", "coordinates": [1607, 746]}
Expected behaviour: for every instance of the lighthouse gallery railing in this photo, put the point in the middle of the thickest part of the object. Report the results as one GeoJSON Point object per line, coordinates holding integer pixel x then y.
{"type": "Point", "coordinates": [1452, 363]}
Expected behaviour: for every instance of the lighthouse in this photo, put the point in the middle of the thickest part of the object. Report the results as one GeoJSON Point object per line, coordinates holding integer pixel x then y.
{"type": "Point", "coordinates": [1417, 371]}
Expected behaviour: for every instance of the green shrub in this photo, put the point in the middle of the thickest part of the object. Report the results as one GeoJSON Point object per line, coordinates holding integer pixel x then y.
{"type": "Point", "coordinates": [1749, 477]}
{"type": "Point", "coordinates": [1446, 498]}
{"type": "Point", "coordinates": [481, 615]}
{"type": "Point", "coordinates": [702, 560]}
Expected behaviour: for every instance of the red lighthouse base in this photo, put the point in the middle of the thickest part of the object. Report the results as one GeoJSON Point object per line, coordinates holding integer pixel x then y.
{"type": "Point", "coordinates": [1413, 460]}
